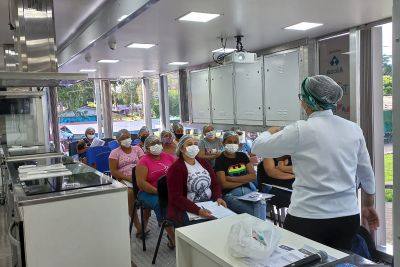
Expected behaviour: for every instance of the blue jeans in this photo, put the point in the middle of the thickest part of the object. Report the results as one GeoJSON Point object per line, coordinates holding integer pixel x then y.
{"type": "Point", "coordinates": [257, 209]}
{"type": "Point", "coordinates": [150, 201]}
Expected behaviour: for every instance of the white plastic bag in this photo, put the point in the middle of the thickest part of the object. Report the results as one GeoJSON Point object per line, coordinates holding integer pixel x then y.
{"type": "Point", "coordinates": [253, 240]}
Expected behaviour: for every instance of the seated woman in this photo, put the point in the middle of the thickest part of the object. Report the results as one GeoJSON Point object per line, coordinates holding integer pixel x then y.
{"type": "Point", "coordinates": [278, 171]}
{"type": "Point", "coordinates": [235, 172]}
{"type": "Point", "coordinates": [149, 169]}
{"type": "Point", "coordinates": [142, 135]}
{"type": "Point", "coordinates": [210, 146]}
{"type": "Point", "coordinates": [190, 180]}
{"type": "Point", "coordinates": [85, 143]}
{"type": "Point", "coordinates": [177, 129]}
{"type": "Point", "coordinates": [121, 162]}
{"type": "Point", "coordinates": [167, 141]}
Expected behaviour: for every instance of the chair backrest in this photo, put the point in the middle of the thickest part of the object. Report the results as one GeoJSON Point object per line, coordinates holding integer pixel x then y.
{"type": "Point", "coordinates": [162, 190]}
{"type": "Point", "coordinates": [107, 140]}
{"type": "Point", "coordinates": [135, 187]}
{"type": "Point", "coordinates": [72, 146]}
{"type": "Point", "coordinates": [261, 175]}
{"type": "Point", "coordinates": [102, 162]}
{"type": "Point", "coordinates": [113, 144]}
{"type": "Point", "coordinates": [92, 152]}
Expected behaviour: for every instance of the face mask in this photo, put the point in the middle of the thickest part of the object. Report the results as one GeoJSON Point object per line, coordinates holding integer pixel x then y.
{"type": "Point", "coordinates": [231, 148]}
{"type": "Point", "coordinates": [192, 151]}
{"type": "Point", "coordinates": [167, 140]}
{"type": "Point", "coordinates": [241, 139]}
{"type": "Point", "coordinates": [143, 138]}
{"type": "Point", "coordinates": [90, 136]}
{"type": "Point", "coordinates": [126, 142]}
{"type": "Point", "coordinates": [210, 135]}
{"type": "Point", "coordinates": [178, 136]}
{"type": "Point", "coordinates": [156, 149]}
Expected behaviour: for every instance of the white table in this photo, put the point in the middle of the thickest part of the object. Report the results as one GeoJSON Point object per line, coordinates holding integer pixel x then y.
{"type": "Point", "coordinates": [205, 244]}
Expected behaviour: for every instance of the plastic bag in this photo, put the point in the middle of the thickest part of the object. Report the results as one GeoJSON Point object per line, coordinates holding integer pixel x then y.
{"type": "Point", "coordinates": [253, 240]}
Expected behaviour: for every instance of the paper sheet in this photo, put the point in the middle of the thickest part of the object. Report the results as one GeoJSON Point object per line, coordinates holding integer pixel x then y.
{"type": "Point", "coordinates": [216, 210]}
{"type": "Point", "coordinates": [255, 196]}
{"type": "Point", "coordinates": [97, 142]}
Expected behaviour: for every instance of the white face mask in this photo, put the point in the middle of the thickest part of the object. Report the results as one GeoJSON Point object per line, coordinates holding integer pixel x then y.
{"type": "Point", "coordinates": [231, 148]}
{"type": "Point", "coordinates": [126, 142]}
{"type": "Point", "coordinates": [90, 136]}
{"type": "Point", "coordinates": [156, 149]}
{"type": "Point", "coordinates": [210, 135]}
{"type": "Point", "coordinates": [192, 151]}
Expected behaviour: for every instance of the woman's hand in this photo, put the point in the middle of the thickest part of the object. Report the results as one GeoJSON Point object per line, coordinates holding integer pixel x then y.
{"type": "Point", "coordinates": [273, 130]}
{"type": "Point", "coordinates": [205, 214]}
{"type": "Point", "coordinates": [221, 202]}
{"type": "Point", "coordinates": [370, 218]}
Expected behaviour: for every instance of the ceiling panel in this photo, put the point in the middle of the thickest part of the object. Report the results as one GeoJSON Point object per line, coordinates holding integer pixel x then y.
{"type": "Point", "coordinates": [260, 21]}
{"type": "Point", "coordinates": [5, 33]}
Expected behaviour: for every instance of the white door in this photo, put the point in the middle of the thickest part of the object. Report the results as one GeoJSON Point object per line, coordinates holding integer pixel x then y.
{"type": "Point", "coordinates": [222, 94]}
{"type": "Point", "coordinates": [199, 88]}
{"type": "Point", "coordinates": [282, 85]}
{"type": "Point", "coordinates": [248, 85]}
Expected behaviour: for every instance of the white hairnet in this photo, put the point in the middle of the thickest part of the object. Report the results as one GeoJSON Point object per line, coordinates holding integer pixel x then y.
{"type": "Point", "coordinates": [323, 89]}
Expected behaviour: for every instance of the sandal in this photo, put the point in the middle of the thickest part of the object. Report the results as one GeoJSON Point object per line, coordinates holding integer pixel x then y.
{"type": "Point", "coordinates": [140, 235]}
{"type": "Point", "coordinates": [170, 245]}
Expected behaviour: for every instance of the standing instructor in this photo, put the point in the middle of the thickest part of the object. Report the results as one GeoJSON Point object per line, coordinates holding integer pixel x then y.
{"type": "Point", "coordinates": [330, 160]}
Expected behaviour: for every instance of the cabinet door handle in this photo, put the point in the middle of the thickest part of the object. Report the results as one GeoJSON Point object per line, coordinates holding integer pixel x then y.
{"type": "Point", "coordinates": [13, 240]}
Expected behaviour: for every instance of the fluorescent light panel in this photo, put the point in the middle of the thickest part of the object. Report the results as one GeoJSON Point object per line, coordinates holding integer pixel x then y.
{"type": "Point", "coordinates": [87, 70]}
{"type": "Point", "coordinates": [139, 45]}
{"type": "Point", "coordinates": [178, 63]}
{"type": "Point", "coordinates": [108, 61]}
{"type": "Point", "coordinates": [199, 17]}
{"type": "Point", "coordinates": [222, 50]}
{"type": "Point", "coordinates": [147, 71]}
{"type": "Point", "coordinates": [126, 77]}
{"type": "Point", "coordinates": [303, 26]}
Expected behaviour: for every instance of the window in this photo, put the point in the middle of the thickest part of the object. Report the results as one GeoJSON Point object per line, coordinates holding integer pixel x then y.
{"type": "Point", "coordinates": [77, 111]}
{"type": "Point", "coordinates": [173, 97]}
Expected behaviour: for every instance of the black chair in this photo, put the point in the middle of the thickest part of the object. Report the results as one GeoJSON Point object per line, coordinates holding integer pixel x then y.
{"type": "Point", "coordinates": [137, 204]}
{"type": "Point", "coordinates": [72, 148]}
{"type": "Point", "coordinates": [163, 203]}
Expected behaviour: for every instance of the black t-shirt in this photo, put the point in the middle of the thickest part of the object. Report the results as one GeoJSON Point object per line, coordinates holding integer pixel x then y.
{"type": "Point", "coordinates": [232, 166]}
{"type": "Point", "coordinates": [263, 177]}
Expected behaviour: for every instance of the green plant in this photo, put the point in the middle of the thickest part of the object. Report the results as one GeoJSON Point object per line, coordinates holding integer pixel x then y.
{"type": "Point", "coordinates": [389, 195]}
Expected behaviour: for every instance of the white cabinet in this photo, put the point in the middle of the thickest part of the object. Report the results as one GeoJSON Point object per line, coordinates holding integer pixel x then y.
{"type": "Point", "coordinates": [282, 85]}
{"type": "Point", "coordinates": [248, 85]}
{"type": "Point", "coordinates": [222, 94]}
{"type": "Point", "coordinates": [200, 96]}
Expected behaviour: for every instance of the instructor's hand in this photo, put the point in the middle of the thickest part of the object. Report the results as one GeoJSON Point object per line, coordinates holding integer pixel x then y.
{"type": "Point", "coordinates": [273, 130]}
{"type": "Point", "coordinates": [370, 218]}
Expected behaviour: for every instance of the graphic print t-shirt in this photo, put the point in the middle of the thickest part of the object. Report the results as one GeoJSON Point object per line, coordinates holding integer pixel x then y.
{"type": "Point", "coordinates": [198, 183]}
{"type": "Point", "coordinates": [232, 166]}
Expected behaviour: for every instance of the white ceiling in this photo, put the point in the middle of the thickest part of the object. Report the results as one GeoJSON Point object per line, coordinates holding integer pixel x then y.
{"type": "Point", "coordinates": [260, 21]}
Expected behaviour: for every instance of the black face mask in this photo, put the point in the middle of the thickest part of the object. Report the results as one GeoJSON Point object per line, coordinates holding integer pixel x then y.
{"type": "Point", "coordinates": [178, 136]}
{"type": "Point", "coordinates": [143, 138]}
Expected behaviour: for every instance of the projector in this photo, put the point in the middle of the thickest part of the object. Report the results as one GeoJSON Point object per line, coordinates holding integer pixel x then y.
{"type": "Point", "coordinates": [240, 57]}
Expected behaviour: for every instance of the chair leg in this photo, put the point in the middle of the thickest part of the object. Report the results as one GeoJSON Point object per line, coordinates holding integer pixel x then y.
{"type": "Point", "coordinates": [279, 217]}
{"type": "Point", "coordinates": [131, 223]}
{"type": "Point", "coordinates": [143, 231]}
{"type": "Point", "coordinates": [158, 243]}
{"type": "Point", "coordinates": [273, 217]}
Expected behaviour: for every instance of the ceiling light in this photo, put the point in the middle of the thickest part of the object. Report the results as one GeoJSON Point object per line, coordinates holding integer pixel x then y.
{"type": "Point", "coordinates": [178, 63]}
{"type": "Point", "coordinates": [87, 70]}
{"type": "Point", "coordinates": [138, 45]}
{"type": "Point", "coordinates": [223, 50]}
{"type": "Point", "coordinates": [199, 17]}
{"type": "Point", "coordinates": [147, 71]}
{"type": "Point", "coordinates": [108, 61]}
{"type": "Point", "coordinates": [303, 26]}
{"type": "Point", "coordinates": [122, 17]}
{"type": "Point", "coordinates": [126, 77]}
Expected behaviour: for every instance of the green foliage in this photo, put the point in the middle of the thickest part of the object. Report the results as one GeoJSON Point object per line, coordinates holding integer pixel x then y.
{"type": "Point", "coordinates": [388, 160]}
{"type": "Point", "coordinates": [73, 97]}
{"type": "Point", "coordinates": [389, 195]}
{"type": "Point", "coordinates": [387, 85]}
{"type": "Point", "coordinates": [387, 65]}
{"type": "Point", "coordinates": [126, 92]}
{"type": "Point", "coordinates": [173, 97]}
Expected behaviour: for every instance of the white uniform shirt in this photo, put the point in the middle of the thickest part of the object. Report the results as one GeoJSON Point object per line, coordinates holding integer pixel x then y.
{"type": "Point", "coordinates": [328, 153]}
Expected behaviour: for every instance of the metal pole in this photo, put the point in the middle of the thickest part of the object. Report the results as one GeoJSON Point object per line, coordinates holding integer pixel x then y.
{"type": "Point", "coordinates": [396, 131]}
{"type": "Point", "coordinates": [147, 102]}
{"type": "Point", "coordinates": [355, 75]}
{"type": "Point", "coordinates": [97, 92]}
{"type": "Point", "coordinates": [107, 108]}
{"type": "Point", "coordinates": [164, 102]}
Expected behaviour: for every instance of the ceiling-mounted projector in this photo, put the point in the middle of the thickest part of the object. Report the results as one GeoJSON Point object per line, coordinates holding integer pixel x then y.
{"type": "Point", "coordinates": [240, 57]}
